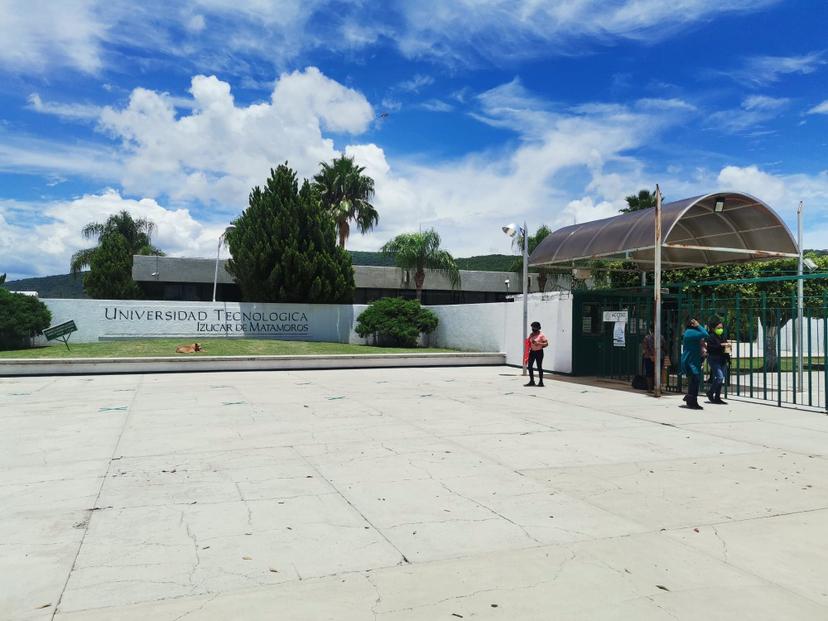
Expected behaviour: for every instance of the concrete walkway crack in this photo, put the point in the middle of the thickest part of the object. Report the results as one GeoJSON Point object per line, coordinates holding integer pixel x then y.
{"type": "Point", "coordinates": [130, 410]}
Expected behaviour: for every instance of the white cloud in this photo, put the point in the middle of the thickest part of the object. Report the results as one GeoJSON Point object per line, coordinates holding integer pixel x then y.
{"type": "Point", "coordinates": [436, 105]}
{"type": "Point", "coordinates": [764, 102]}
{"type": "Point", "coordinates": [415, 83]}
{"type": "Point", "coordinates": [783, 193]}
{"type": "Point", "coordinates": [754, 111]}
{"type": "Point", "coordinates": [223, 35]}
{"type": "Point", "coordinates": [219, 151]}
{"type": "Point", "coordinates": [71, 111]}
{"type": "Point", "coordinates": [763, 70]}
{"type": "Point", "coordinates": [41, 35]}
{"type": "Point", "coordinates": [494, 30]}
{"type": "Point", "coordinates": [568, 164]}
{"type": "Point", "coordinates": [821, 108]}
{"type": "Point", "coordinates": [45, 247]}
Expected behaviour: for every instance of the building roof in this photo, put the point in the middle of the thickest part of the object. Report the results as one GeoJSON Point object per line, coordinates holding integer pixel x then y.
{"type": "Point", "coordinates": [694, 234]}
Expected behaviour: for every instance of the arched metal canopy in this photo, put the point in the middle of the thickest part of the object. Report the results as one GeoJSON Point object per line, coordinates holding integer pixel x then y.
{"type": "Point", "coordinates": [694, 233]}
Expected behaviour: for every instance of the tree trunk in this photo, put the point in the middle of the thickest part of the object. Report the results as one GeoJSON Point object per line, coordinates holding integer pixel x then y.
{"type": "Point", "coordinates": [771, 356]}
{"type": "Point", "coordinates": [344, 231]}
{"type": "Point", "coordinates": [419, 279]}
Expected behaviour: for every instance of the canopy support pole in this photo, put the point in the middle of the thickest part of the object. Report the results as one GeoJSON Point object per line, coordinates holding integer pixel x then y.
{"type": "Point", "coordinates": [657, 297]}
{"type": "Point", "coordinates": [800, 301]}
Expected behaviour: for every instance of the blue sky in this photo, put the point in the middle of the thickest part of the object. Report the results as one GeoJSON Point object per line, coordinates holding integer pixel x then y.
{"type": "Point", "coordinates": [468, 114]}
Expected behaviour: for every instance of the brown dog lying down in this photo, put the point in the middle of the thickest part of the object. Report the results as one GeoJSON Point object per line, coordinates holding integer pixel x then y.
{"type": "Point", "coordinates": [188, 349]}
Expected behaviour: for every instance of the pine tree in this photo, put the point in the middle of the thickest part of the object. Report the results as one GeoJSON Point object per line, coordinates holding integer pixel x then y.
{"type": "Point", "coordinates": [284, 248]}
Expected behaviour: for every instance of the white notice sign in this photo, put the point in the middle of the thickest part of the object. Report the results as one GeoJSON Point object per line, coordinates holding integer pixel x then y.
{"type": "Point", "coordinates": [618, 334]}
{"type": "Point", "coordinates": [619, 315]}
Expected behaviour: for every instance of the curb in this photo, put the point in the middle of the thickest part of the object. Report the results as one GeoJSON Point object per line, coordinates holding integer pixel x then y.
{"type": "Point", "coordinates": [112, 366]}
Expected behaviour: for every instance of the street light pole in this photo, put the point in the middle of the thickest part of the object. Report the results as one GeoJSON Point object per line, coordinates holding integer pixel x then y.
{"type": "Point", "coordinates": [526, 290]}
{"type": "Point", "coordinates": [218, 251]}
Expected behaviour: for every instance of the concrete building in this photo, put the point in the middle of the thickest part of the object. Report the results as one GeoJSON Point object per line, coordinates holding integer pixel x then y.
{"type": "Point", "coordinates": [173, 278]}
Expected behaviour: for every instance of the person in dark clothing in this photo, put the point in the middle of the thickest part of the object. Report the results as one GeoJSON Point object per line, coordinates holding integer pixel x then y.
{"type": "Point", "coordinates": [691, 361]}
{"type": "Point", "coordinates": [537, 341]}
{"type": "Point", "coordinates": [717, 360]}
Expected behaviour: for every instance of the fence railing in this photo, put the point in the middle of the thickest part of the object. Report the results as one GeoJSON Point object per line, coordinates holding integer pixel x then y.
{"type": "Point", "coordinates": [775, 357]}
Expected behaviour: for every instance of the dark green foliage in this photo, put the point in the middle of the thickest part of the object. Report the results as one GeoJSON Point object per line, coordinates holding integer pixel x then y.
{"type": "Point", "coordinates": [21, 318]}
{"type": "Point", "coordinates": [346, 193]}
{"type": "Point", "coordinates": [110, 274]}
{"type": "Point", "coordinates": [419, 252]}
{"type": "Point", "coordinates": [134, 237]}
{"type": "Point", "coordinates": [396, 322]}
{"type": "Point", "coordinates": [2, 279]}
{"type": "Point", "coordinates": [60, 286]}
{"type": "Point", "coordinates": [543, 273]}
{"type": "Point", "coordinates": [284, 249]}
{"type": "Point", "coordinates": [644, 200]}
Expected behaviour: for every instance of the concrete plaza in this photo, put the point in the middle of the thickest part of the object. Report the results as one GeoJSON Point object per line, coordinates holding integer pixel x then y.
{"type": "Point", "coordinates": [397, 494]}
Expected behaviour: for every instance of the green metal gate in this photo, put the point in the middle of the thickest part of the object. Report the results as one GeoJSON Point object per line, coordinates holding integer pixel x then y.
{"type": "Point", "coordinates": [770, 360]}
{"type": "Point", "coordinates": [596, 350]}
{"type": "Point", "coordinates": [763, 331]}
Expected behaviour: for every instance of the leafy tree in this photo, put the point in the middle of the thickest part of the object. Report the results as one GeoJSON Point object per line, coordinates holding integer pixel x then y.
{"type": "Point", "coordinates": [2, 279]}
{"type": "Point", "coordinates": [396, 322]}
{"type": "Point", "coordinates": [135, 235]}
{"type": "Point", "coordinates": [21, 318]}
{"type": "Point", "coordinates": [419, 252]}
{"type": "Point", "coordinates": [346, 193]}
{"type": "Point", "coordinates": [644, 200]}
{"type": "Point", "coordinates": [283, 246]}
{"type": "Point", "coordinates": [110, 274]}
{"type": "Point", "coordinates": [534, 240]}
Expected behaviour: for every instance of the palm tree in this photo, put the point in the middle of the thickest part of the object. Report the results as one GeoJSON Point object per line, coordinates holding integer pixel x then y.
{"type": "Point", "coordinates": [345, 192]}
{"type": "Point", "coordinates": [136, 233]}
{"type": "Point", "coordinates": [517, 265]}
{"type": "Point", "coordinates": [644, 200]}
{"type": "Point", "coordinates": [419, 252]}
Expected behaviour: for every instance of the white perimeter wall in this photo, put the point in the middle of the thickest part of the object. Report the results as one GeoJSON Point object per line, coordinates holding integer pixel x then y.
{"type": "Point", "coordinates": [499, 327]}
{"type": "Point", "coordinates": [466, 327]}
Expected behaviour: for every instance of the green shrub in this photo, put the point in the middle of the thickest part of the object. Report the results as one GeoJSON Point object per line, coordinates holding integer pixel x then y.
{"type": "Point", "coordinates": [396, 322]}
{"type": "Point", "coordinates": [21, 318]}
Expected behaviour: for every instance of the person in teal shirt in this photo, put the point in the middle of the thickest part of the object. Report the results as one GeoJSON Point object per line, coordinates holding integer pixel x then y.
{"type": "Point", "coordinates": [691, 361]}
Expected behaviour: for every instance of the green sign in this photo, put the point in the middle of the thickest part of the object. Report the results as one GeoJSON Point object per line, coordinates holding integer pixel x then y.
{"type": "Point", "coordinates": [60, 330]}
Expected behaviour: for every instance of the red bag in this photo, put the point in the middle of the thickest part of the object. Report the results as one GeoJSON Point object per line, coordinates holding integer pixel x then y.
{"type": "Point", "coordinates": [526, 352]}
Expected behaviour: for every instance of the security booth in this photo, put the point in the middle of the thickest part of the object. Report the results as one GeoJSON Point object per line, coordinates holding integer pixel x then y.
{"type": "Point", "coordinates": [609, 325]}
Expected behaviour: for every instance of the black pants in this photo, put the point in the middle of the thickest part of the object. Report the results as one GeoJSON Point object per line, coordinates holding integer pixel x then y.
{"type": "Point", "coordinates": [536, 357]}
{"type": "Point", "coordinates": [693, 380]}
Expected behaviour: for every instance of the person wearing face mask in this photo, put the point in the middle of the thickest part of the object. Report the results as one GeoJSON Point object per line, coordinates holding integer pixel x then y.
{"type": "Point", "coordinates": [537, 342]}
{"type": "Point", "coordinates": [691, 361]}
{"type": "Point", "coordinates": [717, 360]}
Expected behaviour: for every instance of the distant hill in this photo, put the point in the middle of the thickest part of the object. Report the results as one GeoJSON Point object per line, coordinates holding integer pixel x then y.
{"type": "Point", "coordinates": [359, 257]}
{"type": "Point", "coordinates": [487, 263]}
{"type": "Point", "coordinates": [61, 286]}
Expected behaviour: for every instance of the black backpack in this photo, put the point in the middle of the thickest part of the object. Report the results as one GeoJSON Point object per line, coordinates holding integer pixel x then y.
{"type": "Point", "coordinates": [639, 382]}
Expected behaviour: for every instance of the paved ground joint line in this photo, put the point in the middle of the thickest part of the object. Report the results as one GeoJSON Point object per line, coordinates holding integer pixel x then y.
{"type": "Point", "coordinates": [98, 495]}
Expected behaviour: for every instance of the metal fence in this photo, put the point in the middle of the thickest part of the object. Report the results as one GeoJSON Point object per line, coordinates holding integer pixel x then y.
{"type": "Point", "coordinates": [775, 356]}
